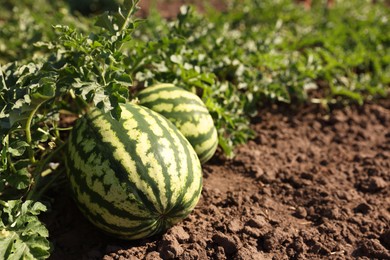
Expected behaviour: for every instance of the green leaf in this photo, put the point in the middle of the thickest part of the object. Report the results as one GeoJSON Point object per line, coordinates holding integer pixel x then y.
{"type": "Point", "coordinates": [46, 91]}
{"type": "Point", "coordinates": [17, 148]}
{"type": "Point", "coordinates": [105, 22]}
{"type": "Point", "coordinates": [22, 235]}
{"type": "Point", "coordinates": [20, 179]}
{"type": "Point", "coordinates": [124, 80]}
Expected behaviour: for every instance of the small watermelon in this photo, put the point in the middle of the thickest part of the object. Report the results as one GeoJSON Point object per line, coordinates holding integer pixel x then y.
{"type": "Point", "coordinates": [187, 112]}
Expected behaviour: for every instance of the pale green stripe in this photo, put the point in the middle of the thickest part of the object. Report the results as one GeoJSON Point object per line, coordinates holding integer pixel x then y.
{"type": "Point", "coordinates": [177, 173]}
{"type": "Point", "coordinates": [200, 127]}
{"type": "Point", "coordinates": [190, 108]}
{"type": "Point", "coordinates": [205, 156]}
{"type": "Point", "coordinates": [196, 183]}
{"type": "Point", "coordinates": [129, 235]}
{"type": "Point", "coordinates": [122, 156]}
{"type": "Point", "coordinates": [116, 195]}
{"type": "Point", "coordinates": [163, 107]}
{"type": "Point", "coordinates": [145, 153]}
{"type": "Point", "coordinates": [175, 94]}
{"type": "Point", "coordinates": [169, 153]}
{"type": "Point", "coordinates": [201, 148]}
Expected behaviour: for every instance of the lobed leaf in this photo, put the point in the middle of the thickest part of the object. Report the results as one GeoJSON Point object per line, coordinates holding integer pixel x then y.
{"type": "Point", "coordinates": [22, 235]}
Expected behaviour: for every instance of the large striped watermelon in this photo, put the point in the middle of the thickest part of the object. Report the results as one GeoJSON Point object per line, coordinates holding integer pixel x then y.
{"type": "Point", "coordinates": [188, 112]}
{"type": "Point", "coordinates": [135, 177]}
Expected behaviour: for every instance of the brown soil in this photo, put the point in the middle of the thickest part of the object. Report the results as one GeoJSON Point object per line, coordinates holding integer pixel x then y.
{"type": "Point", "coordinates": [311, 185]}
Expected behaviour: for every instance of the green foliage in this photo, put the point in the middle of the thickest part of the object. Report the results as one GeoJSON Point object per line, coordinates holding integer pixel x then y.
{"type": "Point", "coordinates": [253, 53]}
{"type": "Point", "coordinates": [76, 70]}
{"type": "Point", "coordinates": [266, 50]}
{"type": "Point", "coordinates": [82, 69]}
{"type": "Point", "coordinates": [24, 23]}
{"type": "Point", "coordinates": [22, 235]}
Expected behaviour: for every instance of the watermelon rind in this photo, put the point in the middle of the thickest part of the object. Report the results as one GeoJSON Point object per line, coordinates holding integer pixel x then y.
{"type": "Point", "coordinates": [187, 112]}
{"type": "Point", "coordinates": [134, 177]}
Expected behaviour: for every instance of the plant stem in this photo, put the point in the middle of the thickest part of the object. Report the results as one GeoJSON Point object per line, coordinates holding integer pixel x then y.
{"type": "Point", "coordinates": [9, 160]}
{"type": "Point", "coordinates": [3, 82]}
{"type": "Point", "coordinates": [129, 14]}
{"type": "Point", "coordinates": [28, 134]}
{"type": "Point", "coordinates": [63, 129]}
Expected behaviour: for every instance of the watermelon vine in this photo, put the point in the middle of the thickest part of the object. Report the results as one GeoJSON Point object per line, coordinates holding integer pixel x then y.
{"type": "Point", "coordinates": [81, 70]}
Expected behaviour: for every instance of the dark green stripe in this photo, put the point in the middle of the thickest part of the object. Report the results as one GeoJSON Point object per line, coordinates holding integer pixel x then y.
{"type": "Point", "coordinates": [208, 153]}
{"type": "Point", "coordinates": [195, 140]}
{"type": "Point", "coordinates": [144, 124]}
{"type": "Point", "coordinates": [185, 209]}
{"type": "Point", "coordinates": [189, 178]}
{"type": "Point", "coordinates": [173, 143]}
{"type": "Point", "coordinates": [102, 201]}
{"type": "Point", "coordinates": [130, 147]}
{"type": "Point", "coordinates": [182, 210]}
{"type": "Point", "coordinates": [86, 135]}
{"type": "Point", "coordinates": [117, 230]}
{"type": "Point", "coordinates": [105, 151]}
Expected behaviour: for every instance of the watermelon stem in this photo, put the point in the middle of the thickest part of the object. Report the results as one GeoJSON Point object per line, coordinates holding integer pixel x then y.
{"type": "Point", "coordinates": [11, 164]}
{"type": "Point", "coordinates": [28, 134]}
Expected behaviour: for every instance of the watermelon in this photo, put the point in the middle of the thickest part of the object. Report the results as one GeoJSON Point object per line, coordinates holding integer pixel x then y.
{"type": "Point", "coordinates": [189, 114]}
{"type": "Point", "coordinates": [133, 177]}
